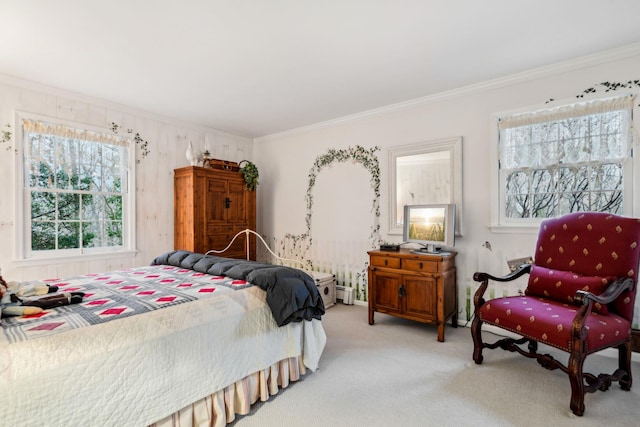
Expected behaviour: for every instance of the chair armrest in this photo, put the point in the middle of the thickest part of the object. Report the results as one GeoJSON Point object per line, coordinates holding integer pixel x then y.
{"type": "Point", "coordinates": [522, 269]}
{"type": "Point", "coordinates": [609, 295]}
{"type": "Point", "coordinates": [478, 299]}
{"type": "Point", "coordinates": [586, 300]}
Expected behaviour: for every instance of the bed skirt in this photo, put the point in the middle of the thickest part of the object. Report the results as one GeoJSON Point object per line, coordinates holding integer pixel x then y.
{"type": "Point", "coordinates": [221, 407]}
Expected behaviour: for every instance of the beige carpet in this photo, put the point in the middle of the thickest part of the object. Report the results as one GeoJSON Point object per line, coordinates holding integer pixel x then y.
{"type": "Point", "coordinates": [395, 373]}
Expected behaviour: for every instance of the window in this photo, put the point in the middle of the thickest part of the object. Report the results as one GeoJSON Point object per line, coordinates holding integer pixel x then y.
{"type": "Point", "coordinates": [76, 198]}
{"type": "Point", "coordinates": [571, 158]}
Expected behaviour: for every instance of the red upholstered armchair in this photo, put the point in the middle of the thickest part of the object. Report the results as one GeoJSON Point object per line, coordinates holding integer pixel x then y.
{"type": "Point", "coordinates": [579, 298]}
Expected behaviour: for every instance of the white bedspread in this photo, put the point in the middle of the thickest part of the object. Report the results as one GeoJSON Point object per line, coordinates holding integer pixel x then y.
{"type": "Point", "coordinates": [136, 370]}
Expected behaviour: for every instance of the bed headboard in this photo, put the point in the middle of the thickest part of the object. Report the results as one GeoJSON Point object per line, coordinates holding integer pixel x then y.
{"type": "Point", "coordinates": [247, 232]}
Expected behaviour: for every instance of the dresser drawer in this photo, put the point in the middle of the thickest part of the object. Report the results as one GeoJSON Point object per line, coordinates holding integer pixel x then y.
{"type": "Point", "coordinates": [220, 229]}
{"type": "Point", "coordinates": [385, 261]}
{"type": "Point", "coordinates": [424, 265]}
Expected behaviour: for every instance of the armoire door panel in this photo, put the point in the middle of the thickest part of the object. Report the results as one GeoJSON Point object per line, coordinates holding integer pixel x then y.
{"type": "Point", "coordinates": [216, 194]}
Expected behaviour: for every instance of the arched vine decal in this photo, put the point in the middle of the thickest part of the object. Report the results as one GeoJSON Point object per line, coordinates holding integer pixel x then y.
{"type": "Point", "coordinates": [298, 246]}
{"type": "Point", "coordinates": [357, 154]}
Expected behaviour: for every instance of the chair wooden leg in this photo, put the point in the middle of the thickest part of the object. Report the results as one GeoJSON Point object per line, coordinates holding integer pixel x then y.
{"type": "Point", "coordinates": [576, 361]}
{"type": "Point", "coordinates": [624, 363]}
{"type": "Point", "coordinates": [476, 334]}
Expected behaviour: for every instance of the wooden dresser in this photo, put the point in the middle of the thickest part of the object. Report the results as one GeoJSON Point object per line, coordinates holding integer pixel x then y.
{"type": "Point", "coordinates": [419, 287]}
{"type": "Point", "coordinates": [210, 207]}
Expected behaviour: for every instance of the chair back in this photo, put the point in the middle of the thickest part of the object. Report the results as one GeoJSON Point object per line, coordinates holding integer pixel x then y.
{"type": "Point", "coordinates": [586, 250]}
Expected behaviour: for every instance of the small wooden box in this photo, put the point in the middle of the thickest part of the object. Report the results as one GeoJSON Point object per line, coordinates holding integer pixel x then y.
{"type": "Point", "coordinates": [224, 165]}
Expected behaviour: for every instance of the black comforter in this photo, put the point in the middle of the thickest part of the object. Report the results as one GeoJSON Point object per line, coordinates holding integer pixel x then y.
{"type": "Point", "coordinates": [292, 294]}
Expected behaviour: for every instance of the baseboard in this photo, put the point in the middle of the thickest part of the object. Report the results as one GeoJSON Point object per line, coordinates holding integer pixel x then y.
{"type": "Point", "coordinates": [355, 302]}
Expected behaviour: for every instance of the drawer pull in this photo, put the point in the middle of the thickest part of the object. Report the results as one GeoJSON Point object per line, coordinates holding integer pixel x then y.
{"type": "Point", "coordinates": [420, 266]}
{"type": "Point", "coordinates": [386, 262]}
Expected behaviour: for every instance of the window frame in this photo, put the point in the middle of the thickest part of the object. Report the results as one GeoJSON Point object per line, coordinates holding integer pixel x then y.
{"type": "Point", "coordinates": [631, 167]}
{"type": "Point", "coordinates": [23, 253]}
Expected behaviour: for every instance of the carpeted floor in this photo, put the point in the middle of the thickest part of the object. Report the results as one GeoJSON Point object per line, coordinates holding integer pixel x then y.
{"type": "Point", "coordinates": [396, 373]}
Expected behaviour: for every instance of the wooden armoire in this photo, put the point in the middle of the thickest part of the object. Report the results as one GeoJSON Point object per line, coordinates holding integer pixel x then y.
{"type": "Point", "coordinates": [210, 207]}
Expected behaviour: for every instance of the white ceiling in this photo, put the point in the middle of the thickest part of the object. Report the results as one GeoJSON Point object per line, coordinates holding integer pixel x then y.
{"type": "Point", "coordinates": [259, 67]}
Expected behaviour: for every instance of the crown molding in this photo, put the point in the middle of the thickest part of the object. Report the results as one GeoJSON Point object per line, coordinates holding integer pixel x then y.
{"type": "Point", "coordinates": [522, 77]}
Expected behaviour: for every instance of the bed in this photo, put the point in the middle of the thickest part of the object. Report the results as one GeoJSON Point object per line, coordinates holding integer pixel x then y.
{"type": "Point", "coordinates": [192, 339]}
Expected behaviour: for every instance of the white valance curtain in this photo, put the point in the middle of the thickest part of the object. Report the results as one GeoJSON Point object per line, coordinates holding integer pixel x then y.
{"type": "Point", "coordinates": [597, 131]}
{"type": "Point", "coordinates": [58, 156]}
{"type": "Point", "coordinates": [567, 112]}
{"type": "Point", "coordinates": [37, 126]}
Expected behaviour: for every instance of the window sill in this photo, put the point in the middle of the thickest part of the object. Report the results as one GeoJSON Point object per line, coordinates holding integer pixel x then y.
{"type": "Point", "coordinates": [74, 258]}
{"type": "Point", "coordinates": [514, 228]}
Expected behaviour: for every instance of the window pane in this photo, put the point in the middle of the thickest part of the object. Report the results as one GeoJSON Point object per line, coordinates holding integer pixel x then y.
{"type": "Point", "coordinates": [43, 206]}
{"type": "Point", "coordinates": [517, 183]}
{"type": "Point", "coordinates": [68, 206]}
{"type": "Point", "coordinates": [41, 164]}
{"type": "Point", "coordinates": [112, 161]}
{"type": "Point", "coordinates": [573, 179]}
{"type": "Point", "coordinates": [68, 235]}
{"type": "Point", "coordinates": [43, 236]}
{"type": "Point", "coordinates": [542, 181]}
{"type": "Point", "coordinates": [114, 233]}
{"type": "Point", "coordinates": [42, 175]}
{"type": "Point", "coordinates": [608, 201]}
{"type": "Point", "coordinates": [614, 146]}
{"type": "Point", "coordinates": [544, 205]}
{"type": "Point", "coordinates": [113, 206]}
{"type": "Point", "coordinates": [92, 207]}
{"type": "Point", "coordinates": [62, 164]}
{"type": "Point", "coordinates": [606, 177]}
{"type": "Point", "coordinates": [515, 207]}
{"type": "Point", "coordinates": [573, 202]}
{"type": "Point", "coordinates": [548, 151]}
{"type": "Point", "coordinates": [85, 177]}
{"type": "Point", "coordinates": [91, 234]}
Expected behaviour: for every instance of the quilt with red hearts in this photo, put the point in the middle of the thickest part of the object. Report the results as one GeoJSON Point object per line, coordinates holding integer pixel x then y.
{"type": "Point", "coordinates": [116, 295]}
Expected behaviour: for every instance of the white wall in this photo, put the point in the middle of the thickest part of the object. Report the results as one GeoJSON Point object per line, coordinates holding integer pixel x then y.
{"type": "Point", "coordinates": [167, 146]}
{"type": "Point", "coordinates": [285, 159]}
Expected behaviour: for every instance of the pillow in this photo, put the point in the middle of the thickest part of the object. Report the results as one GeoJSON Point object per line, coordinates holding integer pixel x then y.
{"type": "Point", "coordinates": [562, 285]}
{"type": "Point", "coordinates": [220, 268]}
{"type": "Point", "coordinates": [241, 270]}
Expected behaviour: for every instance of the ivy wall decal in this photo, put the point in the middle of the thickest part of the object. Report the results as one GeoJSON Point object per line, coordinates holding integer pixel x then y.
{"type": "Point", "coordinates": [6, 135]}
{"type": "Point", "coordinates": [606, 87]}
{"type": "Point", "coordinates": [299, 245]}
{"type": "Point", "coordinates": [141, 143]}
